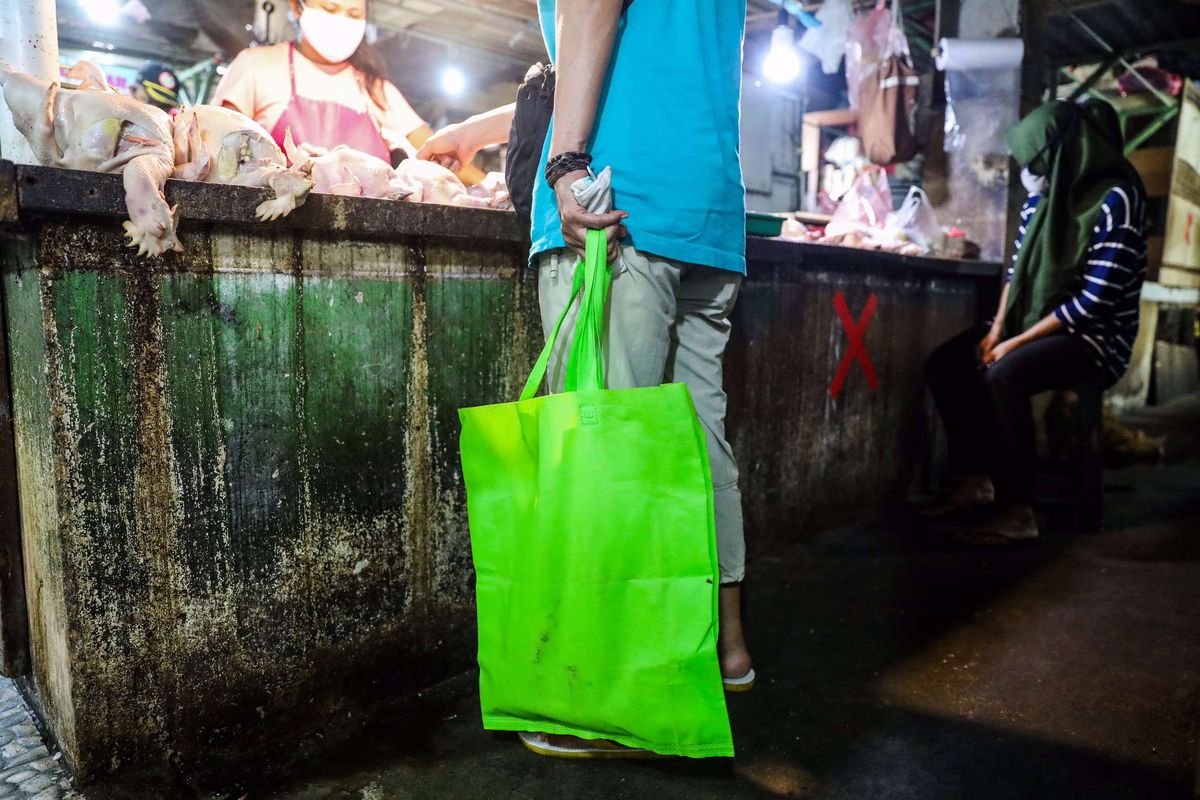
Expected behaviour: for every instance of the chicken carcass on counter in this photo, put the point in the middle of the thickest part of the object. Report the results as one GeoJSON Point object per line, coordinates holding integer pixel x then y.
{"type": "Point", "coordinates": [346, 171]}
{"type": "Point", "coordinates": [494, 190]}
{"type": "Point", "coordinates": [99, 130]}
{"type": "Point", "coordinates": [435, 184]}
{"type": "Point", "coordinates": [220, 145]}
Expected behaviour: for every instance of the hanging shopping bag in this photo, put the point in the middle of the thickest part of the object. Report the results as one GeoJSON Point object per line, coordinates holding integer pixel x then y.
{"type": "Point", "coordinates": [887, 98]}
{"type": "Point", "coordinates": [592, 534]}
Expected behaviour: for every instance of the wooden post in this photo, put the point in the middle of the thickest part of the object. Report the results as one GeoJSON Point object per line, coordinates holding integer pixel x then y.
{"type": "Point", "coordinates": [1034, 67]}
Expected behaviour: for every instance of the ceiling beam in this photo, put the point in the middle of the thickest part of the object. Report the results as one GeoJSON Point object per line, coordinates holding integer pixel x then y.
{"type": "Point", "coordinates": [397, 37]}
{"type": "Point", "coordinates": [485, 10]}
{"type": "Point", "coordinates": [1078, 5]}
{"type": "Point", "coordinates": [1094, 56]}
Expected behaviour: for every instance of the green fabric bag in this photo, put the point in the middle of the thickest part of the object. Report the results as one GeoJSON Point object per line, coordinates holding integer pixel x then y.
{"type": "Point", "coordinates": [591, 517]}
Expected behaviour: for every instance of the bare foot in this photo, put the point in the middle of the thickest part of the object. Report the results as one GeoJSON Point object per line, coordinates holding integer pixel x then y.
{"type": "Point", "coordinates": [731, 642]}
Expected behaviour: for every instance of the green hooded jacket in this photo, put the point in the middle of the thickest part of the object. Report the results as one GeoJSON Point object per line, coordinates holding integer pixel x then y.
{"type": "Point", "coordinates": [1080, 149]}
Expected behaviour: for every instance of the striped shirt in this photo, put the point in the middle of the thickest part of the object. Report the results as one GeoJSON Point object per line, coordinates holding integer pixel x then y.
{"type": "Point", "coordinates": [1104, 309]}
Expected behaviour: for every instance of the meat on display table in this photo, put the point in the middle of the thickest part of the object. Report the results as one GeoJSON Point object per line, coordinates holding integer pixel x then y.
{"type": "Point", "coordinates": [241, 514]}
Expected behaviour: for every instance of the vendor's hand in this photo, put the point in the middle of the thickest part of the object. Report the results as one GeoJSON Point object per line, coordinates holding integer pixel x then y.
{"type": "Point", "coordinates": [576, 221]}
{"type": "Point", "coordinates": [448, 147]}
{"type": "Point", "coordinates": [988, 343]}
{"type": "Point", "coordinates": [1001, 350]}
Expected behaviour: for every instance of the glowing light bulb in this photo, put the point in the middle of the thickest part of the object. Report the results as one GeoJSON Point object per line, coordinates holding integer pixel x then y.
{"type": "Point", "coordinates": [102, 12]}
{"type": "Point", "coordinates": [453, 81]}
{"type": "Point", "coordinates": [782, 63]}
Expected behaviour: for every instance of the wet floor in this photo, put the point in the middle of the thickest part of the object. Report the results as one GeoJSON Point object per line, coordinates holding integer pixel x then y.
{"type": "Point", "coordinates": [896, 664]}
{"type": "Point", "coordinates": [893, 663]}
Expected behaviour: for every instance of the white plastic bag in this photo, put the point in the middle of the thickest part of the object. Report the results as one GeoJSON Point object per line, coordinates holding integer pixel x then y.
{"type": "Point", "coordinates": [914, 223]}
{"type": "Point", "coordinates": [865, 207]}
{"type": "Point", "coordinates": [866, 41]}
{"type": "Point", "coordinates": [828, 42]}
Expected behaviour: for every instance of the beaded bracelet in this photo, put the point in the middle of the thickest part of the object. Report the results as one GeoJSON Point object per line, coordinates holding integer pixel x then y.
{"type": "Point", "coordinates": [565, 163]}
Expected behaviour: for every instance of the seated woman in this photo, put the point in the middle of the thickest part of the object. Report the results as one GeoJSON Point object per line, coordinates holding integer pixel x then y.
{"type": "Point", "coordinates": [1068, 314]}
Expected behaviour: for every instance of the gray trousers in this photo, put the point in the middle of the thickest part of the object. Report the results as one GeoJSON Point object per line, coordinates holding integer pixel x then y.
{"type": "Point", "coordinates": [668, 322]}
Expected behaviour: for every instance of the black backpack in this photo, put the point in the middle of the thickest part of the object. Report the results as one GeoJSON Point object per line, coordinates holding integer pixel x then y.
{"type": "Point", "coordinates": [527, 137]}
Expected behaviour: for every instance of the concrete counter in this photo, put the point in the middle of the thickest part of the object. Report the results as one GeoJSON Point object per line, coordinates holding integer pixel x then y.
{"type": "Point", "coordinates": [241, 514]}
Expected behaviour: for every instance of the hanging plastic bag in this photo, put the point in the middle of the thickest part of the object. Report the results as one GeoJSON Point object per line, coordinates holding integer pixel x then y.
{"type": "Point", "coordinates": [865, 43]}
{"type": "Point", "coordinates": [865, 207]}
{"type": "Point", "coordinates": [828, 42]}
{"type": "Point", "coordinates": [914, 223]}
{"type": "Point", "coordinates": [983, 83]}
{"type": "Point", "coordinates": [888, 99]}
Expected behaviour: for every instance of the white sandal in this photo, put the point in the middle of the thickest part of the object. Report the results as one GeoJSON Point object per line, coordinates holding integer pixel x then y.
{"type": "Point", "coordinates": [591, 748]}
{"type": "Point", "coordinates": [742, 684]}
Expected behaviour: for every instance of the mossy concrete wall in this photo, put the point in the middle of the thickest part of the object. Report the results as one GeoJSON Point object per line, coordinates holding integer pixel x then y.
{"type": "Point", "coordinates": [242, 514]}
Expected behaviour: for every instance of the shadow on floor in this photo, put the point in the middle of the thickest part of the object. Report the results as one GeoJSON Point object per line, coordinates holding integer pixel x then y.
{"type": "Point", "coordinates": [893, 664]}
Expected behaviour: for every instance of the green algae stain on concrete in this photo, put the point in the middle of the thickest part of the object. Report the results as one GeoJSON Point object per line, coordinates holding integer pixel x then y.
{"type": "Point", "coordinates": [115, 517]}
{"type": "Point", "coordinates": [191, 370]}
{"type": "Point", "coordinates": [256, 398]}
{"type": "Point", "coordinates": [39, 470]}
{"type": "Point", "coordinates": [246, 464]}
{"type": "Point", "coordinates": [357, 318]}
{"type": "Point", "coordinates": [482, 330]}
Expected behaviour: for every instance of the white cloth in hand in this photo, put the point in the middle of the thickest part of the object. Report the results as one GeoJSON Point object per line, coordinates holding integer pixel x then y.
{"type": "Point", "coordinates": [594, 193]}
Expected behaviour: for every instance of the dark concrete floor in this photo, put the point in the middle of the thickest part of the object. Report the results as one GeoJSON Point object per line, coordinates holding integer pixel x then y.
{"type": "Point", "coordinates": [896, 664]}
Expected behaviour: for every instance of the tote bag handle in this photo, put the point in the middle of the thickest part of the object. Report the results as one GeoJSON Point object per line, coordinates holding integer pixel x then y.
{"type": "Point", "coordinates": [585, 361]}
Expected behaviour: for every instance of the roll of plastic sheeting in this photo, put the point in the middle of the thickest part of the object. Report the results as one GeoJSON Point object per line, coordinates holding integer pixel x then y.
{"type": "Point", "coordinates": [973, 54]}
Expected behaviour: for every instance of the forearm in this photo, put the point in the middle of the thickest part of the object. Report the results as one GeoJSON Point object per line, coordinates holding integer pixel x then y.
{"type": "Point", "coordinates": [585, 31]}
{"type": "Point", "coordinates": [483, 130]}
{"type": "Point", "coordinates": [1046, 326]}
{"type": "Point", "coordinates": [486, 128]}
{"type": "Point", "coordinates": [998, 320]}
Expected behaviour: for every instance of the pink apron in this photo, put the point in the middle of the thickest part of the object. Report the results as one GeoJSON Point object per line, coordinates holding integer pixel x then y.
{"type": "Point", "coordinates": [325, 123]}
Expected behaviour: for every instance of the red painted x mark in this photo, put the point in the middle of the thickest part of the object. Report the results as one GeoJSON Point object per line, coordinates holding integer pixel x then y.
{"type": "Point", "coordinates": [857, 351]}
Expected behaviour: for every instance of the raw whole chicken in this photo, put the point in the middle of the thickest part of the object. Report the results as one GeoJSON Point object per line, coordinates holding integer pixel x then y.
{"type": "Point", "coordinates": [343, 170]}
{"type": "Point", "coordinates": [433, 183]}
{"type": "Point", "coordinates": [101, 131]}
{"type": "Point", "coordinates": [90, 77]}
{"type": "Point", "coordinates": [220, 145]}
{"type": "Point", "coordinates": [494, 190]}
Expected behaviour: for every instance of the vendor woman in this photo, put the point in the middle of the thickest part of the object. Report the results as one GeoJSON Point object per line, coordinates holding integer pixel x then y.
{"type": "Point", "coordinates": [328, 87]}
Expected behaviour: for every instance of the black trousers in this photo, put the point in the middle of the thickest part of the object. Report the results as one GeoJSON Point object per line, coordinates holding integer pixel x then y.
{"type": "Point", "coordinates": [987, 412]}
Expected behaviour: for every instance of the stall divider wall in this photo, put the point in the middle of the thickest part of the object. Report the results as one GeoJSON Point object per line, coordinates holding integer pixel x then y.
{"type": "Point", "coordinates": [242, 514]}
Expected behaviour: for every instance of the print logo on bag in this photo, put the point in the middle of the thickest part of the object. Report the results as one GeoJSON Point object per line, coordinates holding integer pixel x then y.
{"type": "Point", "coordinates": [589, 415]}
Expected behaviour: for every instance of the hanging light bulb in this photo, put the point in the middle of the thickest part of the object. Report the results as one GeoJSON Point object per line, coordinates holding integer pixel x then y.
{"type": "Point", "coordinates": [782, 63]}
{"type": "Point", "coordinates": [453, 81]}
{"type": "Point", "coordinates": [102, 12]}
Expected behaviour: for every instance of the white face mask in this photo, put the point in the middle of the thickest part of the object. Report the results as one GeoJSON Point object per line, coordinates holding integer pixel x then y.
{"type": "Point", "coordinates": [334, 36]}
{"type": "Point", "coordinates": [1034, 184]}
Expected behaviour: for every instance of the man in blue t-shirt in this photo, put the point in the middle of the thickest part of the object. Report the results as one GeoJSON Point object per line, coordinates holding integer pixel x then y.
{"type": "Point", "coordinates": [651, 92]}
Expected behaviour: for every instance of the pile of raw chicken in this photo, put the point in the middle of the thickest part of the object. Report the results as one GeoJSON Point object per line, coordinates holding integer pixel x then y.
{"type": "Point", "coordinates": [95, 128]}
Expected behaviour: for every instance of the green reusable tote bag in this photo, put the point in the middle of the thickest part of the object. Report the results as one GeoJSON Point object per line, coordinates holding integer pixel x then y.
{"type": "Point", "coordinates": [591, 515]}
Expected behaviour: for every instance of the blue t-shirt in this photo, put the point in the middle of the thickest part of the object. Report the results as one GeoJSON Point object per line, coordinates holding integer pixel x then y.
{"type": "Point", "coordinates": [667, 124]}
